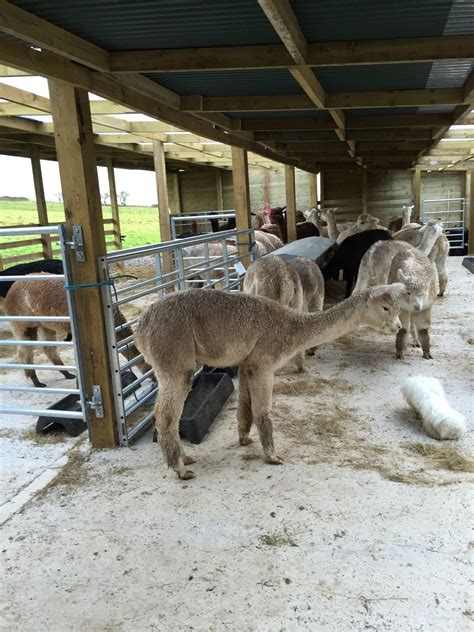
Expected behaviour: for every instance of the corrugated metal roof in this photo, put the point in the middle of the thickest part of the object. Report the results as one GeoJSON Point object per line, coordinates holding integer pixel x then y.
{"type": "Point", "coordinates": [229, 83]}
{"type": "Point", "coordinates": [150, 24]}
{"type": "Point", "coordinates": [374, 77]}
{"type": "Point", "coordinates": [326, 20]}
{"type": "Point", "coordinates": [278, 114]}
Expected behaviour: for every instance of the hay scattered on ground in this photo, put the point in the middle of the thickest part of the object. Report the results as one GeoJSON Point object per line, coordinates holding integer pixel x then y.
{"type": "Point", "coordinates": [251, 456]}
{"type": "Point", "coordinates": [278, 539]}
{"type": "Point", "coordinates": [311, 386]}
{"type": "Point", "coordinates": [43, 439]}
{"type": "Point", "coordinates": [71, 474]}
{"type": "Point", "coordinates": [443, 457]}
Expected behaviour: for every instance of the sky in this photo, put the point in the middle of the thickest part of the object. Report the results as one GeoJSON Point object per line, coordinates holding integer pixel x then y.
{"type": "Point", "coordinates": [16, 178]}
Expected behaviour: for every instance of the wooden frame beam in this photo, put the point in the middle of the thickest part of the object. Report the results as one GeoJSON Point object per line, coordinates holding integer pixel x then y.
{"type": "Point", "coordinates": [80, 187]}
{"type": "Point", "coordinates": [41, 206]}
{"type": "Point", "coordinates": [320, 54]}
{"type": "Point", "coordinates": [290, 198]}
{"type": "Point", "coordinates": [332, 100]}
{"type": "Point", "coordinates": [240, 177]}
{"type": "Point", "coordinates": [29, 27]}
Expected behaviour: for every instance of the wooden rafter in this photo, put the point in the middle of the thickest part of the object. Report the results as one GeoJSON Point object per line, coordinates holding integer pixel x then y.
{"type": "Point", "coordinates": [348, 53]}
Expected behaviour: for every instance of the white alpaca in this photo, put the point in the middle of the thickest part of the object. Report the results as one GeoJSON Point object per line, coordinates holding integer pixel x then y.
{"type": "Point", "coordinates": [425, 396]}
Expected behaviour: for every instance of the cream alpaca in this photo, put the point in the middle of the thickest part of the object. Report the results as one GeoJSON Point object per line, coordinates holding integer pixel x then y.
{"type": "Point", "coordinates": [425, 396]}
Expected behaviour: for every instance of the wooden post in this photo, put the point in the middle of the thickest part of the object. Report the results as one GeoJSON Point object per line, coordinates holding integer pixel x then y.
{"type": "Point", "coordinates": [470, 218]}
{"type": "Point", "coordinates": [266, 186]}
{"type": "Point", "coordinates": [417, 192]}
{"type": "Point", "coordinates": [240, 176]}
{"type": "Point", "coordinates": [364, 191]}
{"type": "Point", "coordinates": [41, 203]}
{"type": "Point", "coordinates": [313, 189]}
{"type": "Point", "coordinates": [80, 186]}
{"type": "Point", "coordinates": [163, 205]}
{"type": "Point", "coordinates": [322, 187]}
{"type": "Point", "coordinates": [115, 210]}
{"type": "Point", "coordinates": [220, 198]}
{"type": "Point", "coordinates": [290, 191]}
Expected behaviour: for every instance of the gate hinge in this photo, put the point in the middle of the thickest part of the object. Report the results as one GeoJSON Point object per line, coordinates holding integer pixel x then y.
{"type": "Point", "coordinates": [77, 243]}
{"type": "Point", "coordinates": [96, 402]}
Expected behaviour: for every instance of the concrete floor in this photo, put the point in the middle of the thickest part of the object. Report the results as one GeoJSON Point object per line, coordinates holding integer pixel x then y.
{"type": "Point", "coordinates": [357, 531]}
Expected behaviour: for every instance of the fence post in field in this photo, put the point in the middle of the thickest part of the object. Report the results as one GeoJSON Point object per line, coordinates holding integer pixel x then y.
{"type": "Point", "coordinates": [115, 210]}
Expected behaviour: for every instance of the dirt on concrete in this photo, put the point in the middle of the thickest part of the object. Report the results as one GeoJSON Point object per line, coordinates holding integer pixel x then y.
{"type": "Point", "coordinates": [367, 525]}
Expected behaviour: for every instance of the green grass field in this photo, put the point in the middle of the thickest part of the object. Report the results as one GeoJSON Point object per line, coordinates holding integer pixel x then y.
{"type": "Point", "coordinates": [139, 224]}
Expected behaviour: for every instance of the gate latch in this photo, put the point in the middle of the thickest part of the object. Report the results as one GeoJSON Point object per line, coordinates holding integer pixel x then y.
{"type": "Point", "coordinates": [96, 402]}
{"type": "Point", "coordinates": [77, 243]}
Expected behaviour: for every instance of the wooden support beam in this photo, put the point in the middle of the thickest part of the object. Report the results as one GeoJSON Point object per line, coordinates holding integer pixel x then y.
{"type": "Point", "coordinates": [364, 190]}
{"type": "Point", "coordinates": [322, 187]}
{"type": "Point", "coordinates": [417, 192]}
{"type": "Point", "coordinates": [240, 177]}
{"type": "Point", "coordinates": [283, 20]}
{"type": "Point", "coordinates": [266, 186]}
{"type": "Point", "coordinates": [219, 196]}
{"type": "Point", "coordinates": [333, 100]}
{"type": "Point", "coordinates": [345, 53]}
{"type": "Point", "coordinates": [313, 189]}
{"type": "Point", "coordinates": [114, 203]}
{"type": "Point", "coordinates": [80, 187]}
{"type": "Point", "coordinates": [290, 193]}
{"type": "Point", "coordinates": [41, 203]}
{"type": "Point", "coordinates": [352, 122]}
{"type": "Point", "coordinates": [163, 205]}
{"type": "Point", "coordinates": [29, 27]}
{"type": "Point", "coordinates": [470, 221]}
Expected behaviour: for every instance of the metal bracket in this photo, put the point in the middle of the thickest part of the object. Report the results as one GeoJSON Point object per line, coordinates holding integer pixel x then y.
{"type": "Point", "coordinates": [77, 243]}
{"type": "Point", "coordinates": [96, 402]}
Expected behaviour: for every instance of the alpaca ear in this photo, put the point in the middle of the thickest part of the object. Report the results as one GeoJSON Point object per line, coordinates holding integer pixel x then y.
{"type": "Point", "coordinates": [387, 291]}
{"type": "Point", "coordinates": [401, 277]}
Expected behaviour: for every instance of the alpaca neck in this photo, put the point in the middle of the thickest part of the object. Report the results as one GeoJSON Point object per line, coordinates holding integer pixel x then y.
{"type": "Point", "coordinates": [332, 226]}
{"type": "Point", "coordinates": [310, 330]}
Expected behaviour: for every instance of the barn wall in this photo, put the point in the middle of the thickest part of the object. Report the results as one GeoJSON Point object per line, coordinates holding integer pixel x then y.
{"type": "Point", "coordinates": [440, 185]}
{"type": "Point", "coordinates": [388, 191]}
{"type": "Point", "coordinates": [198, 190]}
{"type": "Point", "coordinates": [343, 189]}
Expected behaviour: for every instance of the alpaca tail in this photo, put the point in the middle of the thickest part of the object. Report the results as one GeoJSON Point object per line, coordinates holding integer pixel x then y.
{"type": "Point", "coordinates": [425, 396]}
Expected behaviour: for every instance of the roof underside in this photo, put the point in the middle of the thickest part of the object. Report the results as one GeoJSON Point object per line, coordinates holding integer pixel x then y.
{"type": "Point", "coordinates": [342, 95]}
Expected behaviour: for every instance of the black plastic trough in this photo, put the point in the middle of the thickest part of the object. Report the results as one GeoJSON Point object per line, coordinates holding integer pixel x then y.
{"type": "Point", "coordinates": [468, 262]}
{"type": "Point", "coordinates": [209, 393]}
{"type": "Point", "coordinates": [50, 423]}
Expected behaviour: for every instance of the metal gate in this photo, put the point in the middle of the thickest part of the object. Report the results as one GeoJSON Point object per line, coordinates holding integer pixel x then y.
{"type": "Point", "coordinates": [58, 232]}
{"type": "Point", "coordinates": [133, 401]}
{"type": "Point", "coordinates": [200, 221]}
{"type": "Point", "coordinates": [451, 211]}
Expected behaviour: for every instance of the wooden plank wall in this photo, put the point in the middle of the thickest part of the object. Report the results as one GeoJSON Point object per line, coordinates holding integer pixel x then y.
{"type": "Point", "coordinates": [343, 189]}
{"type": "Point", "coordinates": [441, 184]}
{"type": "Point", "coordinates": [388, 191]}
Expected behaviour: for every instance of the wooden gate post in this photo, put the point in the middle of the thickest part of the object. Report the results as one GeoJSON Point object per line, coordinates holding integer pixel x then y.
{"type": "Point", "coordinates": [240, 176]}
{"type": "Point", "coordinates": [163, 204]}
{"type": "Point", "coordinates": [470, 211]}
{"type": "Point", "coordinates": [80, 187]}
{"type": "Point", "coordinates": [417, 192]}
{"type": "Point", "coordinates": [41, 203]}
{"type": "Point", "coordinates": [290, 190]}
{"type": "Point", "coordinates": [313, 189]}
{"type": "Point", "coordinates": [364, 190]}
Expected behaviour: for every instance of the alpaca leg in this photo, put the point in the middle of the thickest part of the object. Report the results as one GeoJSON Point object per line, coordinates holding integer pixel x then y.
{"type": "Point", "coordinates": [414, 335]}
{"type": "Point", "coordinates": [52, 353]}
{"type": "Point", "coordinates": [168, 409]}
{"type": "Point", "coordinates": [26, 354]}
{"type": "Point", "coordinates": [299, 361]}
{"type": "Point", "coordinates": [244, 411]}
{"type": "Point", "coordinates": [442, 276]}
{"type": "Point", "coordinates": [400, 342]}
{"type": "Point", "coordinates": [349, 276]}
{"type": "Point", "coordinates": [422, 321]}
{"type": "Point", "coordinates": [261, 388]}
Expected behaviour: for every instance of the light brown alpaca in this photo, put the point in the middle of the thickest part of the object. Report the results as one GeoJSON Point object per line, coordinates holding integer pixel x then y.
{"type": "Point", "coordinates": [185, 329]}
{"type": "Point", "coordinates": [433, 243]}
{"type": "Point", "coordinates": [365, 221]}
{"type": "Point", "coordinates": [48, 298]}
{"type": "Point", "coordinates": [391, 261]}
{"type": "Point", "coordinates": [296, 283]}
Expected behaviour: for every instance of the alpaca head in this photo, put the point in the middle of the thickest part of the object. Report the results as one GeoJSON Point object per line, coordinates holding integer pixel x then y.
{"type": "Point", "coordinates": [414, 296]}
{"type": "Point", "coordinates": [328, 212]}
{"type": "Point", "coordinates": [365, 220]}
{"type": "Point", "coordinates": [382, 308]}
